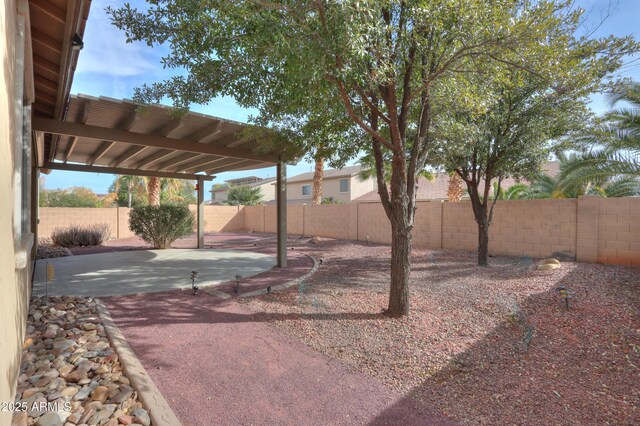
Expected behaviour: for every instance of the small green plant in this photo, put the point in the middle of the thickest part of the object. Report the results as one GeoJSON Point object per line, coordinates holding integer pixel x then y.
{"type": "Point", "coordinates": [80, 235]}
{"type": "Point", "coordinates": [331, 200]}
{"type": "Point", "coordinates": [244, 196]}
{"type": "Point", "coordinates": [161, 225]}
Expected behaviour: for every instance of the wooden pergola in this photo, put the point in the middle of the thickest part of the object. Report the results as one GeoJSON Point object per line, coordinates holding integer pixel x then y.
{"type": "Point", "coordinates": [104, 135]}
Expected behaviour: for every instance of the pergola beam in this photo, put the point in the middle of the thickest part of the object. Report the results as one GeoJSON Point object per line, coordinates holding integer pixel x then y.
{"type": "Point", "coordinates": [72, 144]}
{"type": "Point", "coordinates": [122, 171]}
{"type": "Point", "coordinates": [203, 135]}
{"type": "Point", "coordinates": [181, 165]}
{"type": "Point", "coordinates": [128, 155]}
{"type": "Point", "coordinates": [106, 146]}
{"type": "Point", "coordinates": [214, 169]}
{"type": "Point", "coordinates": [152, 159]}
{"type": "Point", "coordinates": [116, 135]}
{"type": "Point", "coordinates": [175, 161]}
{"type": "Point", "coordinates": [202, 165]}
{"type": "Point", "coordinates": [170, 127]}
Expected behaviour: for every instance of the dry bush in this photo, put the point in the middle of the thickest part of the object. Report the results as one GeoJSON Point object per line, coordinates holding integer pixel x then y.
{"type": "Point", "coordinates": [81, 235]}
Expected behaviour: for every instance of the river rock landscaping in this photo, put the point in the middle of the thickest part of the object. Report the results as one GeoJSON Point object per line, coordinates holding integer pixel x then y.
{"type": "Point", "coordinates": [70, 373]}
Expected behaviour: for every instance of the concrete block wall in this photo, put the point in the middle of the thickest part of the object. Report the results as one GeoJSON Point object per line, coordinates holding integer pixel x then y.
{"type": "Point", "coordinates": [373, 222]}
{"type": "Point", "coordinates": [331, 220]}
{"type": "Point", "coordinates": [54, 217]}
{"type": "Point", "coordinates": [589, 229]}
{"type": "Point", "coordinates": [254, 218]}
{"type": "Point", "coordinates": [535, 228]}
{"type": "Point", "coordinates": [123, 223]}
{"type": "Point", "coordinates": [618, 231]}
{"type": "Point", "coordinates": [223, 218]}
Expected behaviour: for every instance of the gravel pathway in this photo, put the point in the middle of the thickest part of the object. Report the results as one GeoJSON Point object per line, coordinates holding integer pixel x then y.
{"type": "Point", "coordinates": [216, 362]}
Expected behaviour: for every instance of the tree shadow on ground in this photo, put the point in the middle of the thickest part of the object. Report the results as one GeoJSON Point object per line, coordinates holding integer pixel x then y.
{"type": "Point", "coordinates": [580, 366]}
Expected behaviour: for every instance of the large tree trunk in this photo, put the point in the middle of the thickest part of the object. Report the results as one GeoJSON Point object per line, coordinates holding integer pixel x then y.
{"type": "Point", "coordinates": [483, 243]}
{"type": "Point", "coordinates": [400, 266]}
{"type": "Point", "coordinates": [401, 216]}
{"type": "Point", "coordinates": [316, 197]}
{"type": "Point", "coordinates": [153, 189]}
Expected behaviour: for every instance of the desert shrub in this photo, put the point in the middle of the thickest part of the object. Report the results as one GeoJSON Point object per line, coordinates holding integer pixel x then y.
{"type": "Point", "coordinates": [161, 225]}
{"type": "Point", "coordinates": [49, 251]}
{"type": "Point", "coordinates": [80, 235]}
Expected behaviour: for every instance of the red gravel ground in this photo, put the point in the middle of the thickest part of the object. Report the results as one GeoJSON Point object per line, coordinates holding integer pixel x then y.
{"type": "Point", "coordinates": [482, 345]}
{"type": "Point", "coordinates": [217, 362]}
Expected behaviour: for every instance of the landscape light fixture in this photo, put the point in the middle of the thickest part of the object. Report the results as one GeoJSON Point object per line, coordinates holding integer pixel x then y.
{"type": "Point", "coordinates": [194, 287]}
{"type": "Point", "coordinates": [76, 42]}
{"type": "Point", "coordinates": [367, 238]}
{"type": "Point", "coordinates": [565, 294]}
{"type": "Point", "coordinates": [238, 278]}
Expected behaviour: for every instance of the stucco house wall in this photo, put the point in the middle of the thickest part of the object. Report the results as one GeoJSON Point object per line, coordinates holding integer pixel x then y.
{"type": "Point", "coordinates": [268, 190]}
{"type": "Point", "coordinates": [14, 274]}
{"type": "Point", "coordinates": [331, 188]}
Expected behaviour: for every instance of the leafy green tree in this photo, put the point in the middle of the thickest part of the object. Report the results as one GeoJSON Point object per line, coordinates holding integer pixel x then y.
{"type": "Point", "coordinates": [77, 196]}
{"type": "Point", "coordinates": [244, 196]}
{"type": "Point", "coordinates": [354, 74]}
{"type": "Point", "coordinates": [131, 191]}
{"type": "Point", "coordinates": [523, 119]}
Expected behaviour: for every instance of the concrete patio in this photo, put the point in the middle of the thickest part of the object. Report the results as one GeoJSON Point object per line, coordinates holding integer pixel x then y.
{"type": "Point", "coordinates": [144, 271]}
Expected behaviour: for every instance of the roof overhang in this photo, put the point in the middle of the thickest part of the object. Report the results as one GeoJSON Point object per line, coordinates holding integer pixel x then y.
{"type": "Point", "coordinates": [56, 30]}
{"type": "Point", "coordinates": [105, 135]}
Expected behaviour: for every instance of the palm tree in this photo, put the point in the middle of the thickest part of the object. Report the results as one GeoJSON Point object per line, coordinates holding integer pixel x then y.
{"type": "Point", "coordinates": [567, 185]}
{"type": "Point", "coordinates": [244, 196]}
{"type": "Point", "coordinates": [316, 194]}
{"type": "Point", "coordinates": [454, 190]}
{"type": "Point", "coordinates": [614, 150]}
{"type": "Point", "coordinates": [153, 190]}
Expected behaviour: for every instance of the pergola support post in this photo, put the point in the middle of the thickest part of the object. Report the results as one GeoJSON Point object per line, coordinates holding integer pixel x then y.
{"type": "Point", "coordinates": [281, 200]}
{"type": "Point", "coordinates": [200, 212]}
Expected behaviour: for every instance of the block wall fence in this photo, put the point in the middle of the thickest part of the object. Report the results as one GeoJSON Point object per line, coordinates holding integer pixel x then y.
{"type": "Point", "coordinates": [588, 229]}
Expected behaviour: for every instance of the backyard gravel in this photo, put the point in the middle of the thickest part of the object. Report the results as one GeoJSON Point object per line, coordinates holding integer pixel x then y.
{"type": "Point", "coordinates": [482, 345]}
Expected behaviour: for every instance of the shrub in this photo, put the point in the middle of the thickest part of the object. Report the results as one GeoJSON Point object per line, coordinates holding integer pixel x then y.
{"type": "Point", "coordinates": [161, 225]}
{"type": "Point", "coordinates": [80, 235]}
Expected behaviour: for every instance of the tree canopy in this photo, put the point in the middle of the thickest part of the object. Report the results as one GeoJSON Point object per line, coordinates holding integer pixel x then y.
{"type": "Point", "coordinates": [372, 73]}
{"type": "Point", "coordinates": [77, 196]}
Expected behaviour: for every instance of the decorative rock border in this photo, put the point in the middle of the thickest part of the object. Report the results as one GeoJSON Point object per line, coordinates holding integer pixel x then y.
{"type": "Point", "coordinates": [70, 371]}
{"type": "Point", "coordinates": [158, 408]}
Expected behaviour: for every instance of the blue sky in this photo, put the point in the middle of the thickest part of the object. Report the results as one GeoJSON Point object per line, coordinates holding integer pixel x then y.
{"type": "Point", "coordinates": [108, 66]}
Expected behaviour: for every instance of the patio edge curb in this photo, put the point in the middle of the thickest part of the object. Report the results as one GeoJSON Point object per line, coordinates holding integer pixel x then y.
{"type": "Point", "coordinates": [288, 284]}
{"type": "Point", "coordinates": [158, 408]}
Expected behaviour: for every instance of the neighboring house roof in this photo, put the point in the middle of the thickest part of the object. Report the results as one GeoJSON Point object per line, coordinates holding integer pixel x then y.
{"type": "Point", "coordinates": [437, 189]}
{"type": "Point", "coordinates": [250, 184]}
{"type": "Point", "coordinates": [244, 180]}
{"type": "Point", "coordinates": [328, 174]}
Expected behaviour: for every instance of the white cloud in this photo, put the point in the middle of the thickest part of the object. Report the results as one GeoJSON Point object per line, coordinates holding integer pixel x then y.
{"type": "Point", "coordinates": [106, 51]}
